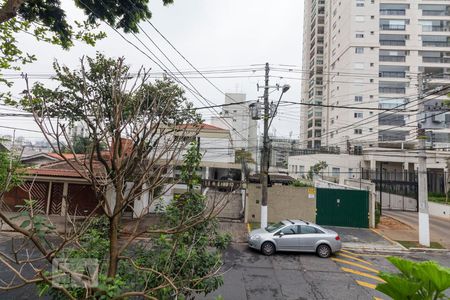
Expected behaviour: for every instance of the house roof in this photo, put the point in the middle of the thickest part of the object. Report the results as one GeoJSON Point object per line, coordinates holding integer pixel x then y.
{"type": "Point", "coordinates": [64, 169]}
{"type": "Point", "coordinates": [202, 126]}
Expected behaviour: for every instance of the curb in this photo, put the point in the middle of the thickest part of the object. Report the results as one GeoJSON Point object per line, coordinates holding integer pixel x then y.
{"type": "Point", "coordinates": [377, 251]}
{"type": "Point", "coordinates": [429, 250]}
{"type": "Point", "coordinates": [389, 239]}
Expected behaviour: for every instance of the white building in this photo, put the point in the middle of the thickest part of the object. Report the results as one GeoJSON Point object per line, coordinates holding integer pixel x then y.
{"type": "Point", "coordinates": [235, 116]}
{"type": "Point", "coordinates": [340, 167]}
{"type": "Point", "coordinates": [396, 165]}
{"type": "Point", "coordinates": [368, 54]}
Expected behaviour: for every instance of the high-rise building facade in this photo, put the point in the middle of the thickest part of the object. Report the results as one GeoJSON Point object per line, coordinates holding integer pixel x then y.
{"type": "Point", "coordinates": [368, 57]}
{"type": "Point", "coordinates": [235, 116]}
{"type": "Point", "coordinates": [313, 63]}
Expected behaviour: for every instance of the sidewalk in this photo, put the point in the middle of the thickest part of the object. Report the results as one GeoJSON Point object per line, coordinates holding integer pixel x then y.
{"type": "Point", "coordinates": [439, 228]}
{"type": "Point", "coordinates": [365, 240]}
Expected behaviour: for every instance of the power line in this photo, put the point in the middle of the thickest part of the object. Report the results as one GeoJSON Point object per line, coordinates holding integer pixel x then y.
{"type": "Point", "coordinates": [345, 128]}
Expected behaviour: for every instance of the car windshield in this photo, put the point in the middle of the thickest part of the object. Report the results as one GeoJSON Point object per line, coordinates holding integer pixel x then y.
{"type": "Point", "coordinates": [274, 227]}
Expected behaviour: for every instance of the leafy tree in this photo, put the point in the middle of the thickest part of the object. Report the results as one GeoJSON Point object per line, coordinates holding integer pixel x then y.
{"type": "Point", "coordinates": [146, 127]}
{"type": "Point", "coordinates": [243, 155]}
{"type": "Point", "coordinates": [417, 280]}
{"type": "Point", "coordinates": [9, 163]}
{"type": "Point", "coordinates": [316, 169]}
{"type": "Point", "coordinates": [46, 21]}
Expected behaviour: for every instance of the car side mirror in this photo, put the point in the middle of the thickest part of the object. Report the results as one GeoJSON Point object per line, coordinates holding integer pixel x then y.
{"type": "Point", "coordinates": [280, 234]}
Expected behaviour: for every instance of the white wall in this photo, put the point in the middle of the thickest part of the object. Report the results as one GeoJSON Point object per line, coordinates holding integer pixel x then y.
{"type": "Point", "coordinates": [299, 166]}
{"type": "Point", "coordinates": [216, 149]}
{"type": "Point", "coordinates": [439, 210]}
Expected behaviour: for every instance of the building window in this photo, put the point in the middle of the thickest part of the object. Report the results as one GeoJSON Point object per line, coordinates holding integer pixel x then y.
{"type": "Point", "coordinates": [359, 50]}
{"type": "Point", "coordinates": [358, 98]}
{"type": "Point", "coordinates": [359, 35]}
{"type": "Point", "coordinates": [335, 172]}
{"type": "Point", "coordinates": [358, 115]}
{"type": "Point", "coordinates": [358, 131]}
{"type": "Point", "coordinates": [301, 170]}
{"type": "Point", "coordinates": [359, 3]}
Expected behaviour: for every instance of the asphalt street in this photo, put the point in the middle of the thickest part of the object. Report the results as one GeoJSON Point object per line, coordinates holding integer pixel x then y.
{"type": "Point", "coordinates": [347, 275]}
{"type": "Point", "coordinates": [250, 275]}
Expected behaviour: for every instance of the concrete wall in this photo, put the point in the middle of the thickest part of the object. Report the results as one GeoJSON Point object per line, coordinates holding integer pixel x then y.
{"type": "Point", "coordinates": [285, 202]}
{"type": "Point", "coordinates": [439, 210]}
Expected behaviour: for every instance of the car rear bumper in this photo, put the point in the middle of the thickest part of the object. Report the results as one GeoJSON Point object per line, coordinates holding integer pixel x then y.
{"type": "Point", "coordinates": [336, 246]}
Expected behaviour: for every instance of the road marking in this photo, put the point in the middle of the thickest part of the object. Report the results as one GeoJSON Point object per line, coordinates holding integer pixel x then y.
{"type": "Point", "coordinates": [355, 258]}
{"type": "Point", "coordinates": [366, 284]}
{"type": "Point", "coordinates": [376, 298]}
{"type": "Point", "coordinates": [356, 265]}
{"type": "Point", "coordinates": [363, 254]}
{"type": "Point", "coordinates": [362, 274]}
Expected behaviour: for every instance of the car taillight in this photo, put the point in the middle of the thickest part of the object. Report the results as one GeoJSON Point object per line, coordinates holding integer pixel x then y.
{"type": "Point", "coordinates": [337, 238]}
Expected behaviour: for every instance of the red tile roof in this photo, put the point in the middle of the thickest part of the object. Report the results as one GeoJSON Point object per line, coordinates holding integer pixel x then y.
{"type": "Point", "coordinates": [203, 126]}
{"type": "Point", "coordinates": [64, 169]}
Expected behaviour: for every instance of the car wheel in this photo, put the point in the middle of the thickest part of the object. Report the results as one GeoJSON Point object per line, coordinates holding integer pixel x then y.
{"type": "Point", "coordinates": [268, 248]}
{"type": "Point", "coordinates": [323, 251]}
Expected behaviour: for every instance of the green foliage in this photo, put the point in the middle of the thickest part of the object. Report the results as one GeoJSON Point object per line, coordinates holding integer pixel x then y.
{"type": "Point", "coordinates": [82, 145]}
{"type": "Point", "coordinates": [243, 155]}
{"type": "Point", "coordinates": [81, 95]}
{"type": "Point", "coordinates": [316, 169]}
{"type": "Point", "coordinates": [34, 221]}
{"type": "Point", "coordinates": [188, 257]}
{"type": "Point", "coordinates": [377, 213]}
{"type": "Point", "coordinates": [46, 20]}
{"type": "Point", "coordinates": [300, 183]}
{"type": "Point", "coordinates": [10, 171]}
{"type": "Point", "coordinates": [437, 197]}
{"type": "Point", "coordinates": [417, 280]}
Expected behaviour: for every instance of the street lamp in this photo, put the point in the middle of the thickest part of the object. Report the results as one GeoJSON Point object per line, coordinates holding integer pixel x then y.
{"type": "Point", "coordinates": [265, 152]}
{"type": "Point", "coordinates": [284, 89]}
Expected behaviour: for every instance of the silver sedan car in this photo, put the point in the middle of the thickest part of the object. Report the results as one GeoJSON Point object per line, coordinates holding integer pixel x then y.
{"type": "Point", "coordinates": [295, 235]}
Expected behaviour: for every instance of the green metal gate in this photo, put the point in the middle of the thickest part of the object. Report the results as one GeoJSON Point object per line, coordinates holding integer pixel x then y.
{"type": "Point", "coordinates": [348, 208]}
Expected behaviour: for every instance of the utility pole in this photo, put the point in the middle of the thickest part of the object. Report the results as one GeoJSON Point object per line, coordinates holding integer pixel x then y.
{"type": "Point", "coordinates": [424, 222]}
{"type": "Point", "coordinates": [265, 151]}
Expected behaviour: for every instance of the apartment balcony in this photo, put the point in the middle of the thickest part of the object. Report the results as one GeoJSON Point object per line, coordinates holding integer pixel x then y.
{"type": "Point", "coordinates": [392, 12]}
{"type": "Point", "coordinates": [392, 42]}
{"type": "Point", "coordinates": [392, 74]}
{"type": "Point", "coordinates": [392, 90]}
{"type": "Point", "coordinates": [391, 58]}
{"type": "Point", "coordinates": [392, 27]}
{"type": "Point", "coordinates": [435, 13]}
{"type": "Point", "coordinates": [427, 28]}
{"type": "Point", "coordinates": [438, 60]}
{"type": "Point", "coordinates": [435, 44]}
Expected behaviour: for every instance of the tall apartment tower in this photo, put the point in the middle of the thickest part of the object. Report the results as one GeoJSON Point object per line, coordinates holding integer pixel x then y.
{"type": "Point", "coordinates": [236, 118]}
{"type": "Point", "coordinates": [313, 64]}
{"type": "Point", "coordinates": [373, 51]}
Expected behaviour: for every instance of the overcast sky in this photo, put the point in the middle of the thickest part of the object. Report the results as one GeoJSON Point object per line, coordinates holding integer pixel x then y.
{"type": "Point", "coordinates": [211, 34]}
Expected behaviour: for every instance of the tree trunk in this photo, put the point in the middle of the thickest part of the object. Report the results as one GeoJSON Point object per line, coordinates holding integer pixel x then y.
{"type": "Point", "coordinates": [113, 245]}
{"type": "Point", "coordinates": [9, 10]}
